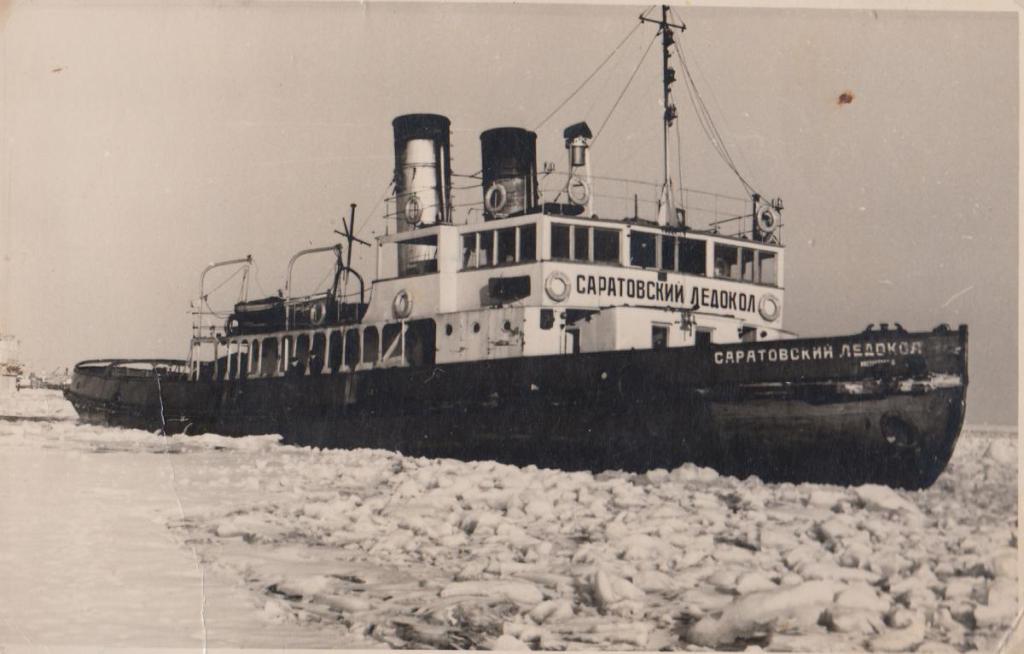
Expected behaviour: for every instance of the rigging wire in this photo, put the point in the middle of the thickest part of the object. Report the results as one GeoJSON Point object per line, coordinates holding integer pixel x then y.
{"type": "Point", "coordinates": [323, 279]}
{"type": "Point", "coordinates": [375, 206]}
{"type": "Point", "coordinates": [256, 278]}
{"type": "Point", "coordinates": [205, 299]}
{"type": "Point", "coordinates": [624, 89]}
{"type": "Point", "coordinates": [706, 122]}
{"type": "Point", "coordinates": [710, 89]}
{"type": "Point", "coordinates": [221, 285]}
{"type": "Point", "coordinates": [591, 76]}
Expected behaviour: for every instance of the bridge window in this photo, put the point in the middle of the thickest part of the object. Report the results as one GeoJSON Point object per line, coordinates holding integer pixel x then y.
{"type": "Point", "coordinates": [767, 268]}
{"type": "Point", "coordinates": [606, 245]}
{"type": "Point", "coordinates": [469, 250]}
{"type": "Point", "coordinates": [747, 264]}
{"type": "Point", "coordinates": [496, 247]}
{"type": "Point", "coordinates": [727, 265]}
{"type": "Point", "coordinates": [692, 256]}
{"type": "Point", "coordinates": [371, 345]}
{"type": "Point", "coordinates": [642, 251]}
{"type": "Point", "coordinates": [581, 243]}
{"type": "Point", "coordinates": [485, 254]}
{"type": "Point", "coordinates": [351, 348]}
{"type": "Point", "coordinates": [506, 245]}
{"type": "Point", "coordinates": [334, 358]}
{"type": "Point", "coordinates": [528, 243]}
{"type": "Point", "coordinates": [668, 252]}
{"type": "Point", "coordinates": [559, 241]}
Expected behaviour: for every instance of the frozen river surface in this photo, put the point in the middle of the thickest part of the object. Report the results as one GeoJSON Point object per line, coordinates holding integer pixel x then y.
{"type": "Point", "coordinates": [121, 538]}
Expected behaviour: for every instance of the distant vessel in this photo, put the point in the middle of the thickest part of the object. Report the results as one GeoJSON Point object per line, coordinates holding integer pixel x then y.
{"type": "Point", "coordinates": [10, 367]}
{"type": "Point", "coordinates": [537, 331]}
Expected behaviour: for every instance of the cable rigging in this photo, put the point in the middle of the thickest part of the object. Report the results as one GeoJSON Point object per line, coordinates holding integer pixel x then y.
{"type": "Point", "coordinates": [592, 74]}
{"type": "Point", "coordinates": [707, 123]}
{"type": "Point", "coordinates": [623, 92]}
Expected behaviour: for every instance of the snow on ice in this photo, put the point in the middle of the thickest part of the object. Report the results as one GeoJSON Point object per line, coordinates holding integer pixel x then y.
{"type": "Point", "coordinates": [365, 548]}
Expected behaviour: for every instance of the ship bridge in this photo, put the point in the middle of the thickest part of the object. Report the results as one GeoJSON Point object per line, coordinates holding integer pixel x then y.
{"type": "Point", "coordinates": [534, 269]}
{"type": "Point", "coordinates": [545, 283]}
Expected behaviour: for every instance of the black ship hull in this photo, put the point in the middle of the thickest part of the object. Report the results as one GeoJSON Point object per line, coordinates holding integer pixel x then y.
{"type": "Point", "coordinates": [877, 407]}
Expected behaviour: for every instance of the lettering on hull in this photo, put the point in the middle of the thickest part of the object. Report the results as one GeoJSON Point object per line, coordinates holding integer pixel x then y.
{"type": "Point", "coordinates": [773, 354]}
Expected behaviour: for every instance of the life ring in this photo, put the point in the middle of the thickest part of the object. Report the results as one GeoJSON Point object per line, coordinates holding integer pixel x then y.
{"type": "Point", "coordinates": [318, 312]}
{"type": "Point", "coordinates": [557, 286]}
{"type": "Point", "coordinates": [769, 307]}
{"type": "Point", "coordinates": [413, 210]}
{"type": "Point", "coordinates": [402, 305]}
{"type": "Point", "coordinates": [496, 198]}
{"type": "Point", "coordinates": [767, 219]}
{"type": "Point", "coordinates": [578, 191]}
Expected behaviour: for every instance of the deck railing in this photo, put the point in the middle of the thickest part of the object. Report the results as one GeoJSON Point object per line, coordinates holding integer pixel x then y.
{"type": "Point", "coordinates": [618, 198]}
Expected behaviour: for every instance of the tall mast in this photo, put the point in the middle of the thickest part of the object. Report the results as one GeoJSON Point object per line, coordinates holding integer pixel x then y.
{"type": "Point", "coordinates": [668, 77]}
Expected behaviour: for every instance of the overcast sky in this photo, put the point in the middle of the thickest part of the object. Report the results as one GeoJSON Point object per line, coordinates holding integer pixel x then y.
{"type": "Point", "coordinates": [141, 143]}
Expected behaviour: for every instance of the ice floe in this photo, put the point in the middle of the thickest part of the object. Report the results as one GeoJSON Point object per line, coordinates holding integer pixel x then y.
{"type": "Point", "coordinates": [376, 547]}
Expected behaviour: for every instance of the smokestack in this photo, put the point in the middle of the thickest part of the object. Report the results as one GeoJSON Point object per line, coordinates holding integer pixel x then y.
{"type": "Point", "coordinates": [509, 158]}
{"type": "Point", "coordinates": [423, 178]}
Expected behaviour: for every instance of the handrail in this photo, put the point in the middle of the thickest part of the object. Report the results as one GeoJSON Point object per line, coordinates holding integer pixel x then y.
{"type": "Point", "coordinates": [610, 195]}
{"type": "Point", "coordinates": [157, 366]}
{"type": "Point", "coordinates": [109, 362]}
{"type": "Point", "coordinates": [728, 220]}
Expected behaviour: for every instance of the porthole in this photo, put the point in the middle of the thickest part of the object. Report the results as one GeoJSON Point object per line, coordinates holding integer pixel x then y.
{"type": "Point", "coordinates": [476, 328]}
{"type": "Point", "coordinates": [508, 326]}
{"type": "Point", "coordinates": [448, 330]}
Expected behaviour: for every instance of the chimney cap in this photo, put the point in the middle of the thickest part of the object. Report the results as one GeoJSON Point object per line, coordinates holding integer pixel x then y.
{"type": "Point", "coordinates": [578, 129]}
{"type": "Point", "coordinates": [421, 126]}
